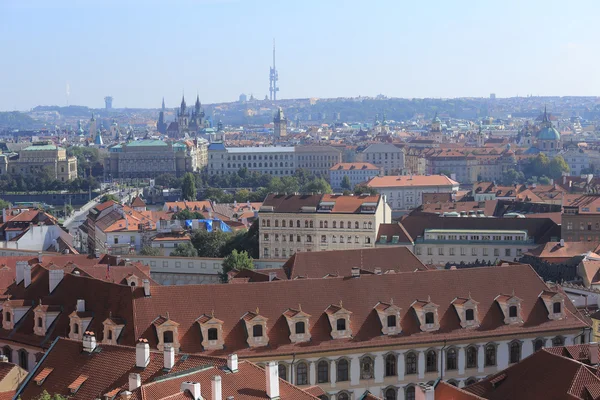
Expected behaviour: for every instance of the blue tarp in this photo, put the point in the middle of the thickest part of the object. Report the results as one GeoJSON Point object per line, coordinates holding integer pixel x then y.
{"type": "Point", "coordinates": [209, 224]}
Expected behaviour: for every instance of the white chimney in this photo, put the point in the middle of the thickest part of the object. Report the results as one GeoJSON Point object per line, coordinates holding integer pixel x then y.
{"type": "Point", "coordinates": [169, 356]}
{"type": "Point", "coordinates": [272, 276]}
{"type": "Point", "coordinates": [3, 358]}
{"type": "Point", "coordinates": [193, 388]}
{"type": "Point", "coordinates": [355, 272]}
{"type": "Point", "coordinates": [80, 305]}
{"type": "Point", "coordinates": [4, 215]}
{"type": "Point", "coordinates": [146, 284]}
{"type": "Point", "coordinates": [135, 381]}
{"type": "Point", "coordinates": [216, 388]}
{"type": "Point", "coordinates": [272, 374]}
{"type": "Point", "coordinates": [40, 256]}
{"type": "Point", "coordinates": [562, 242]}
{"type": "Point", "coordinates": [232, 362]}
{"type": "Point", "coordinates": [89, 341]}
{"type": "Point", "coordinates": [377, 271]}
{"type": "Point", "coordinates": [55, 276]}
{"type": "Point", "coordinates": [21, 270]}
{"type": "Point", "coordinates": [27, 275]}
{"type": "Point", "coordinates": [142, 353]}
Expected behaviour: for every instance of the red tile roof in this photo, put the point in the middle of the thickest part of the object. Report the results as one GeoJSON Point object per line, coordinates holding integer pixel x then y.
{"type": "Point", "coordinates": [445, 391]}
{"type": "Point", "coordinates": [411, 180]}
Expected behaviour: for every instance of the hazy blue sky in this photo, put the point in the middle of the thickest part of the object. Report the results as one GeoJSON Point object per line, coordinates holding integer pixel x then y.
{"type": "Point", "coordinates": [141, 50]}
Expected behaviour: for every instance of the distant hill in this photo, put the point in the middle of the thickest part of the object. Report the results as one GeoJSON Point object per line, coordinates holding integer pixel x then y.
{"type": "Point", "coordinates": [17, 120]}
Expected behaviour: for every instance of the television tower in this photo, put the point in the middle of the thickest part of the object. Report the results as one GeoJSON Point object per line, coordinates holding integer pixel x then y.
{"type": "Point", "coordinates": [273, 78]}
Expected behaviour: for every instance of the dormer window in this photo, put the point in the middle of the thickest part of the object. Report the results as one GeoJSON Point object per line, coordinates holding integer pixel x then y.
{"type": "Point", "coordinates": [44, 316]}
{"type": "Point", "coordinates": [339, 319]}
{"type": "Point", "coordinates": [427, 313]}
{"type": "Point", "coordinates": [212, 332]}
{"type": "Point", "coordinates": [389, 316]}
{"type": "Point", "coordinates": [112, 329]}
{"type": "Point", "coordinates": [167, 332]}
{"type": "Point", "coordinates": [466, 308]}
{"type": "Point", "coordinates": [511, 308]}
{"type": "Point", "coordinates": [256, 326]}
{"type": "Point", "coordinates": [14, 310]}
{"type": "Point", "coordinates": [554, 303]}
{"type": "Point", "coordinates": [298, 325]}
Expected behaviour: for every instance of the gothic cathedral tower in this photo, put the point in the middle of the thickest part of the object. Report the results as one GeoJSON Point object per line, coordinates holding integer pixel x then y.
{"type": "Point", "coordinates": [280, 124]}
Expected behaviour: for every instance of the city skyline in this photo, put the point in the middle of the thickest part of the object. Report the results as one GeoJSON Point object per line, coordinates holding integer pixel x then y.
{"type": "Point", "coordinates": [217, 49]}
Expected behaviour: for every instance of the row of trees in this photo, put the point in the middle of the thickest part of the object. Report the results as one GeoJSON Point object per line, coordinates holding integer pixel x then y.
{"type": "Point", "coordinates": [537, 170]}
{"type": "Point", "coordinates": [44, 181]}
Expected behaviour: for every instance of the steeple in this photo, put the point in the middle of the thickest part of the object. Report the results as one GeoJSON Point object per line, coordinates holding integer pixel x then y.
{"type": "Point", "coordinates": [198, 105]}
{"type": "Point", "coordinates": [183, 105]}
{"type": "Point", "coordinates": [92, 117]}
{"type": "Point", "coordinates": [163, 104]}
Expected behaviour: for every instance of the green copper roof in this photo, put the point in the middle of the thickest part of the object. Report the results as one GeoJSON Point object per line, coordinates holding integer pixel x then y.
{"type": "Point", "coordinates": [41, 147]}
{"type": "Point", "coordinates": [549, 133]}
{"type": "Point", "coordinates": [139, 143]}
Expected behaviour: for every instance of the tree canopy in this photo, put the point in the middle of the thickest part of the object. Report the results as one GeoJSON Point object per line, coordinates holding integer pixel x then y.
{"type": "Point", "coordinates": [188, 187]}
{"type": "Point", "coordinates": [150, 251]}
{"type": "Point", "coordinates": [184, 250]}
{"type": "Point", "coordinates": [236, 260]}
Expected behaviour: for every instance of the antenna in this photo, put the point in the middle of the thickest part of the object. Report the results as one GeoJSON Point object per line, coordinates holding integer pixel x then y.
{"type": "Point", "coordinates": [68, 92]}
{"type": "Point", "coordinates": [273, 78]}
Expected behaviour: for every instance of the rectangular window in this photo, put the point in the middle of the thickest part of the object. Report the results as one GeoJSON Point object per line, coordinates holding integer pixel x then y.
{"type": "Point", "coordinates": [496, 252]}
{"type": "Point", "coordinates": [418, 250]}
{"type": "Point", "coordinates": [485, 251]}
{"type": "Point", "coordinates": [463, 251]}
{"type": "Point", "coordinates": [440, 251]}
{"type": "Point", "coordinates": [177, 264]}
{"type": "Point", "coordinates": [451, 251]}
{"type": "Point", "coordinates": [429, 251]}
{"type": "Point", "coordinates": [473, 251]}
{"type": "Point", "coordinates": [507, 252]}
{"type": "Point", "coordinates": [519, 252]}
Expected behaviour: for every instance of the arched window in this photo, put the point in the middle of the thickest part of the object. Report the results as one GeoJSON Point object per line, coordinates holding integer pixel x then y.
{"type": "Point", "coordinates": [7, 351]}
{"type": "Point", "coordinates": [558, 341]}
{"type": "Point", "coordinates": [276, 223]}
{"type": "Point", "coordinates": [341, 324]}
{"type": "Point", "coordinates": [282, 369]}
{"type": "Point", "coordinates": [268, 223]}
{"type": "Point", "coordinates": [320, 224]}
{"type": "Point", "coordinates": [471, 357]}
{"type": "Point", "coordinates": [343, 396]}
{"type": "Point", "coordinates": [512, 311]}
{"type": "Point", "coordinates": [390, 394]}
{"type": "Point", "coordinates": [342, 370]}
{"type": "Point", "coordinates": [470, 381]}
{"type": "Point", "coordinates": [356, 226]}
{"type": "Point", "coordinates": [538, 344]}
{"type": "Point", "coordinates": [470, 314]}
{"type": "Point", "coordinates": [300, 328]}
{"type": "Point", "coordinates": [411, 363]}
{"type": "Point", "coordinates": [283, 223]}
{"type": "Point", "coordinates": [264, 223]}
{"type": "Point", "coordinates": [110, 334]}
{"type": "Point", "coordinates": [366, 368]}
{"type": "Point", "coordinates": [326, 225]}
{"type": "Point", "coordinates": [453, 382]}
{"type": "Point", "coordinates": [322, 371]}
{"type": "Point", "coordinates": [292, 224]}
{"type": "Point", "coordinates": [297, 224]}
{"type": "Point", "coordinates": [451, 359]}
{"type": "Point", "coordinates": [7, 316]}
{"type": "Point", "coordinates": [341, 224]}
{"type": "Point", "coordinates": [132, 283]}
{"type": "Point", "coordinates": [40, 323]}
{"type": "Point", "coordinates": [311, 224]}
{"type": "Point", "coordinates": [168, 337]}
{"type": "Point", "coordinates": [490, 355]}
{"type": "Point", "coordinates": [306, 224]}
{"type": "Point", "coordinates": [410, 393]}
{"type": "Point", "coordinates": [213, 334]}
{"type": "Point", "coordinates": [76, 328]}
{"type": "Point", "coordinates": [390, 365]}
{"type": "Point", "coordinates": [431, 361]}
{"type": "Point", "coordinates": [23, 359]}
{"type": "Point", "coordinates": [301, 374]}
{"type": "Point", "coordinates": [335, 224]}
{"type": "Point", "coordinates": [515, 352]}
{"type": "Point", "coordinates": [257, 330]}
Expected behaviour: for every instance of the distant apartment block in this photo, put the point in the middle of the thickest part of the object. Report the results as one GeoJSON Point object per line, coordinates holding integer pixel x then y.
{"type": "Point", "coordinates": [356, 173]}
{"type": "Point", "coordinates": [387, 157]}
{"type": "Point", "coordinates": [299, 223]}
{"type": "Point", "coordinates": [406, 192]}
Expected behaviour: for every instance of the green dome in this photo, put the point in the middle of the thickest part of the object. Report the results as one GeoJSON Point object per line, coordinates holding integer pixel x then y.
{"type": "Point", "coordinates": [549, 133]}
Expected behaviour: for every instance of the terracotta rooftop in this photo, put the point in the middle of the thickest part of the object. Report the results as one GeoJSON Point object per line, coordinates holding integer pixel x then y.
{"type": "Point", "coordinates": [411, 180]}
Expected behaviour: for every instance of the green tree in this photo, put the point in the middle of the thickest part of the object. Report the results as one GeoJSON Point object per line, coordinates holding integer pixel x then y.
{"type": "Point", "coordinates": [236, 260]}
{"type": "Point", "coordinates": [188, 187]}
{"type": "Point", "coordinates": [445, 172]}
{"type": "Point", "coordinates": [512, 177]}
{"type": "Point", "coordinates": [544, 180]}
{"type": "Point", "coordinates": [217, 195]}
{"type": "Point", "coordinates": [557, 166]}
{"type": "Point", "coordinates": [150, 251]}
{"type": "Point", "coordinates": [47, 396]}
{"type": "Point", "coordinates": [364, 189]}
{"type": "Point", "coordinates": [243, 241]}
{"type": "Point", "coordinates": [242, 195]}
{"type": "Point", "coordinates": [4, 204]}
{"type": "Point", "coordinates": [184, 250]}
{"type": "Point", "coordinates": [69, 209]}
{"type": "Point", "coordinates": [318, 185]}
{"type": "Point", "coordinates": [186, 214]}
{"type": "Point", "coordinates": [210, 244]}
{"type": "Point", "coordinates": [346, 183]}
{"type": "Point", "coordinates": [108, 197]}
{"type": "Point", "coordinates": [167, 181]}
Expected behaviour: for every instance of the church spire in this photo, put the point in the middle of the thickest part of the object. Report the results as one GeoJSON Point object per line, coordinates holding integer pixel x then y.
{"type": "Point", "coordinates": [183, 105]}
{"type": "Point", "coordinates": [163, 104]}
{"type": "Point", "coordinates": [198, 105]}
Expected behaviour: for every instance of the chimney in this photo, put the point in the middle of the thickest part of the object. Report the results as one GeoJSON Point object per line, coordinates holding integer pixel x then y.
{"type": "Point", "coordinates": [135, 381]}
{"type": "Point", "coordinates": [89, 341]}
{"type": "Point", "coordinates": [146, 285]}
{"type": "Point", "coordinates": [232, 362]}
{"type": "Point", "coordinates": [169, 356]}
{"type": "Point", "coordinates": [40, 256]}
{"type": "Point", "coordinates": [56, 275]}
{"type": "Point", "coordinates": [126, 395]}
{"type": "Point", "coordinates": [21, 271]}
{"type": "Point", "coordinates": [4, 215]}
{"type": "Point", "coordinates": [3, 358]}
{"type": "Point", "coordinates": [216, 388]}
{"type": "Point", "coordinates": [272, 374]}
{"type": "Point", "coordinates": [80, 305]}
{"type": "Point", "coordinates": [562, 242]}
{"type": "Point", "coordinates": [424, 392]}
{"type": "Point", "coordinates": [27, 275]}
{"type": "Point", "coordinates": [272, 276]}
{"type": "Point", "coordinates": [594, 349]}
{"type": "Point", "coordinates": [193, 388]}
{"type": "Point", "coordinates": [355, 272]}
{"type": "Point", "coordinates": [97, 253]}
{"type": "Point", "coordinates": [377, 271]}
{"type": "Point", "coordinates": [142, 353]}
